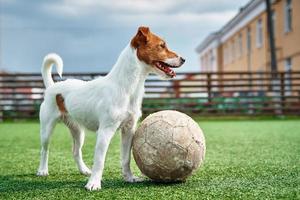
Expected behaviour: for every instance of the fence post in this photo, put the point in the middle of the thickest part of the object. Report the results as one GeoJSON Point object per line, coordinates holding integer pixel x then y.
{"type": "Point", "coordinates": [209, 95]}
{"type": "Point", "coordinates": [176, 88]}
{"type": "Point", "coordinates": [1, 114]}
{"type": "Point", "coordinates": [250, 92]}
{"type": "Point", "coordinates": [282, 92]}
{"type": "Point", "coordinates": [276, 88]}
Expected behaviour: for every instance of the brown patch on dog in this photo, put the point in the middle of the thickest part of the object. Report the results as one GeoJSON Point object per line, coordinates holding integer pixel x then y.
{"type": "Point", "coordinates": [150, 47]}
{"type": "Point", "coordinates": [61, 104]}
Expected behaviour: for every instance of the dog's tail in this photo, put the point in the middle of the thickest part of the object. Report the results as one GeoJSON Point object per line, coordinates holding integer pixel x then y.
{"type": "Point", "coordinates": [48, 62]}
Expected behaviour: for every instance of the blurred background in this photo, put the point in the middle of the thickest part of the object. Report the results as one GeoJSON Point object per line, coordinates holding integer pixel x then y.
{"type": "Point", "coordinates": [242, 57]}
{"type": "Point", "coordinates": [240, 83]}
{"type": "Point", "coordinates": [90, 34]}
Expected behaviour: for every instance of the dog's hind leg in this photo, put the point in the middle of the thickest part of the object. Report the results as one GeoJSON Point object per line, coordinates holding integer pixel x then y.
{"type": "Point", "coordinates": [78, 139]}
{"type": "Point", "coordinates": [47, 124]}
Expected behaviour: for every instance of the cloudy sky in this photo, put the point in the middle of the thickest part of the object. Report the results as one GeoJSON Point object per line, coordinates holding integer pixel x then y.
{"type": "Point", "coordinates": [89, 34]}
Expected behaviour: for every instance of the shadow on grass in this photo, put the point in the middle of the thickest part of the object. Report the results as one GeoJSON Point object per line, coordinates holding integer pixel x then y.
{"type": "Point", "coordinates": [31, 182]}
{"type": "Point", "coordinates": [120, 183]}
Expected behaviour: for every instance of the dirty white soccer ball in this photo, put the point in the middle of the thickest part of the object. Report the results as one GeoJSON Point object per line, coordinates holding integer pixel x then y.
{"type": "Point", "coordinates": [168, 146]}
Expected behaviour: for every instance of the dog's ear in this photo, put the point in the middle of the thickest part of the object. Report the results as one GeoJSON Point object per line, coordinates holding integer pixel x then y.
{"type": "Point", "coordinates": [142, 37]}
{"type": "Point", "coordinates": [144, 31]}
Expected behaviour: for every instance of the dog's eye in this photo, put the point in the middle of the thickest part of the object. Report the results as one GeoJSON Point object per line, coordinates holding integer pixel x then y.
{"type": "Point", "coordinates": [163, 45]}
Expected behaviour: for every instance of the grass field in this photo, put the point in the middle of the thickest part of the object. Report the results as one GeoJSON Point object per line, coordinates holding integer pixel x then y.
{"type": "Point", "coordinates": [244, 160]}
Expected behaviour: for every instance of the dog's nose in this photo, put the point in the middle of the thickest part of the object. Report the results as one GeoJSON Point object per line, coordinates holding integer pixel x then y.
{"type": "Point", "coordinates": [182, 60]}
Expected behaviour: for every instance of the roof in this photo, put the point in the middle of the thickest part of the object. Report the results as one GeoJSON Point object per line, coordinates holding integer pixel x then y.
{"type": "Point", "coordinates": [245, 13]}
{"type": "Point", "coordinates": [2, 71]}
{"type": "Point", "coordinates": [208, 40]}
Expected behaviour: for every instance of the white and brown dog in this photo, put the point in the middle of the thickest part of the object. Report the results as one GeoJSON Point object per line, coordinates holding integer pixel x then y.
{"type": "Point", "coordinates": [105, 104]}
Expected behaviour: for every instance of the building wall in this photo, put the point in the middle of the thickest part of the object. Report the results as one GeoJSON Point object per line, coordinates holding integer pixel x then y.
{"type": "Point", "coordinates": [287, 44]}
{"type": "Point", "coordinates": [209, 60]}
{"type": "Point", "coordinates": [244, 60]}
{"type": "Point", "coordinates": [233, 56]}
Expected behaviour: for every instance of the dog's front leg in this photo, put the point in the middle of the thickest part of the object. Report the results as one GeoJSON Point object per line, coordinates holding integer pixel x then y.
{"type": "Point", "coordinates": [127, 134]}
{"type": "Point", "coordinates": [104, 136]}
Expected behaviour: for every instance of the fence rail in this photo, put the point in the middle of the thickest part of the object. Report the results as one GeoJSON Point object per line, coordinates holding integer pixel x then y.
{"type": "Point", "coordinates": [227, 93]}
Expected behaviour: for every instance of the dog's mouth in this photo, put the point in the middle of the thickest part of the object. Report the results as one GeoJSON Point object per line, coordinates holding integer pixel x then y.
{"type": "Point", "coordinates": [166, 68]}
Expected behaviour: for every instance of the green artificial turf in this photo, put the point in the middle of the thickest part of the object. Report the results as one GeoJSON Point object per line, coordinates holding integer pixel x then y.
{"type": "Point", "coordinates": [244, 160]}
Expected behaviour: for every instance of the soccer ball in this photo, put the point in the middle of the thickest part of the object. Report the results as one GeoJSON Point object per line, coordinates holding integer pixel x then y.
{"type": "Point", "coordinates": [168, 146]}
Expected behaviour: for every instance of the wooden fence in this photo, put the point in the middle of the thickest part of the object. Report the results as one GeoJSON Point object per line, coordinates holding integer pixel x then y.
{"type": "Point", "coordinates": [230, 93]}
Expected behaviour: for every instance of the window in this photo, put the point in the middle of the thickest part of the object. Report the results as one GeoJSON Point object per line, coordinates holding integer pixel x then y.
{"type": "Point", "coordinates": [225, 54]}
{"type": "Point", "coordinates": [248, 40]}
{"type": "Point", "coordinates": [274, 22]}
{"type": "Point", "coordinates": [288, 69]}
{"type": "Point", "coordinates": [212, 59]}
{"type": "Point", "coordinates": [229, 52]}
{"type": "Point", "coordinates": [288, 16]}
{"type": "Point", "coordinates": [240, 44]}
{"type": "Point", "coordinates": [232, 51]}
{"type": "Point", "coordinates": [205, 62]}
{"type": "Point", "coordinates": [259, 33]}
{"type": "Point", "coordinates": [288, 65]}
{"type": "Point", "coordinates": [236, 47]}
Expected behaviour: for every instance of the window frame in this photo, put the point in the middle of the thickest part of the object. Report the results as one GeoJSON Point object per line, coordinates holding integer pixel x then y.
{"type": "Point", "coordinates": [288, 66]}
{"type": "Point", "coordinates": [288, 16]}
{"type": "Point", "coordinates": [240, 44]}
{"type": "Point", "coordinates": [249, 40]}
{"type": "Point", "coordinates": [259, 33]}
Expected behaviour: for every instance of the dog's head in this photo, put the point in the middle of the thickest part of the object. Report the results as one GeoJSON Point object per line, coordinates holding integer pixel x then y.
{"type": "Point", "coordinates": [153, 51]}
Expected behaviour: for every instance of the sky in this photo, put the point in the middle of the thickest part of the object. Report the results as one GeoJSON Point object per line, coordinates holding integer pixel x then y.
{"type": "Point", "coordinates": [90, 34]}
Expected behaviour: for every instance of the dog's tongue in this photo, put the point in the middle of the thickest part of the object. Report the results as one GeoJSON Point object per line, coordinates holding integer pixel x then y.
{"type": "Point", "coordinates": [169, 71]}
{"type": "Point", "coordinates": [166, 69]}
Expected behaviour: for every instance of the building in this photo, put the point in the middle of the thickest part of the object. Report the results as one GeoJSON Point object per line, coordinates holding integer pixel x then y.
{"type": "Point", "coordinates": [243, 45]}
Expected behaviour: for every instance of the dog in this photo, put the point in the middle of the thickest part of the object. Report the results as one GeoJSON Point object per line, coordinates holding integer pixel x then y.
{"type": "Point", "coordinates": [104, 104]}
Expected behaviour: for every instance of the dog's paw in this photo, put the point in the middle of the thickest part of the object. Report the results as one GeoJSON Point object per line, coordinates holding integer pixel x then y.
{"type": "Point", "coordinates": [93, 185]}
{"type": "Point", "coordinates": [42, 173]}
{"type": "Point", "coordinates": [133, 179]}
{"type": "Point", "coordinates": [85, 171]}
